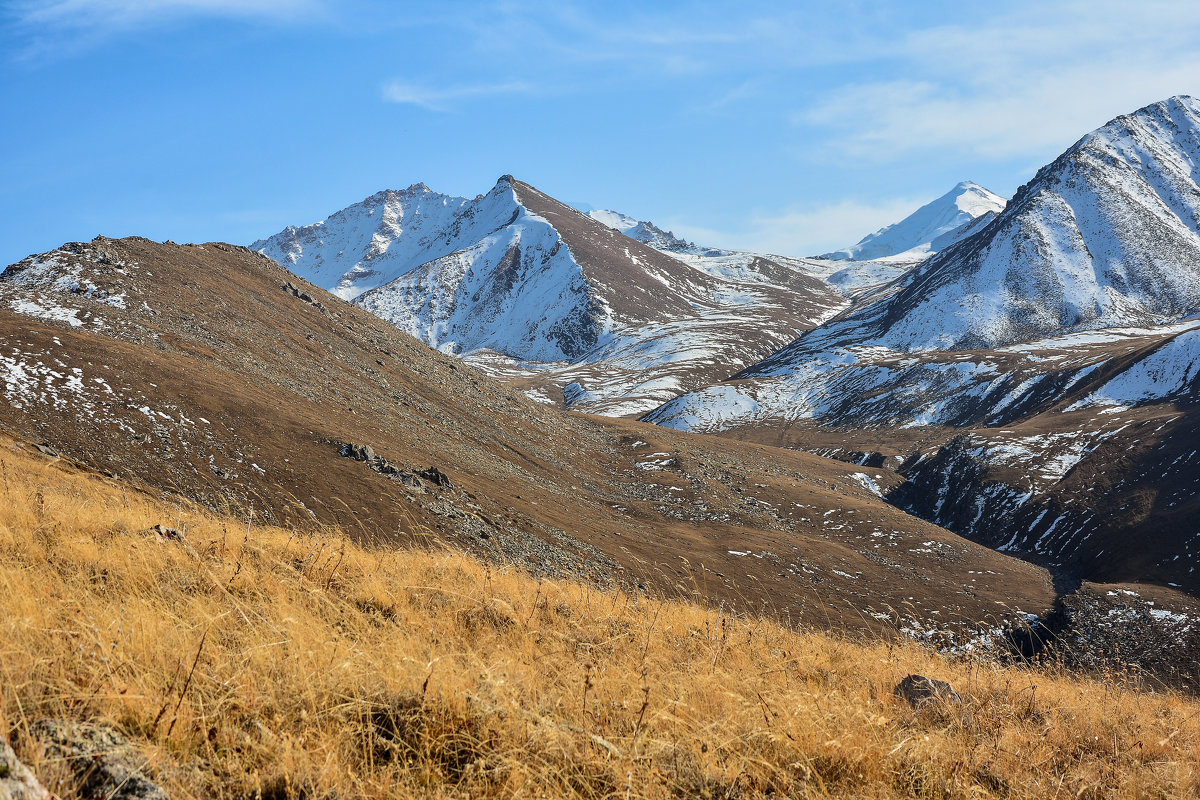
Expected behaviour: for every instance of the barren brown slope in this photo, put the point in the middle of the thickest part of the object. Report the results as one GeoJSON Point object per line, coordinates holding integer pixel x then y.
{"type": "Point", "coordinates": [211, 371]}
{"type": "Point", "coordinates": [620, 269]}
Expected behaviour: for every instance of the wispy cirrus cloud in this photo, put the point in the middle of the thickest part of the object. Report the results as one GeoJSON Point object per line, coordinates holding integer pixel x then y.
{"type": "Point", "coordinates": [1030, 80]}
{"type": "Point", "coordinates": [803, 229]}
{"type": "Point", "coordinates": [118, 14]}
{"type": "Point", "coordinates": [47, 30]}
{"type": "Point", "coordinates": [444, 98]}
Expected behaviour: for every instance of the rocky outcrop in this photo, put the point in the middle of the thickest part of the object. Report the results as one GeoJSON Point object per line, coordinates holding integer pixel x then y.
{"type": "Point", "coordinates": [104, 764]}
{"type": "Point", "coordinates": [16, 781]}
{"type": "Point", "coordinates": [918, 690]}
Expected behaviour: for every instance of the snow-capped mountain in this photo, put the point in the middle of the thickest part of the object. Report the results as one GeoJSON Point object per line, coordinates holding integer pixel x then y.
{"type": "Point", "coordinates": [535, 291]}
{"type": "Point", "coordinates": [1105, 237]}
{"type": "Point", "coordinates": [1108, 235]}
{"type": "Point", "coordinates": [932, 227]}
{"type": "Point", "coordinates": [464, 275]}
{"type": "Point", "coordinates": [645, 232]}
{"type": "Point", "coordinates": [1048, 353]}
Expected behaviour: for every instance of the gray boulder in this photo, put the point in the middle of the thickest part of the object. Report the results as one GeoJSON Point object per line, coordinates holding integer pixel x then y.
{"type": "Point", "coordinates": [106, 765]}
{"type": "Point", "coordinates": [16, 781]}
{"type": "Point", "coordinates": [918, 690]}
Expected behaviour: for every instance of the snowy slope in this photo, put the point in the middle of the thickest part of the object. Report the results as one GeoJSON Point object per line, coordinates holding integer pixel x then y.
{"type": "Point", "coordinates": [536, 292]}
{"type": "Point", "coordinates": [1168, 373]}
{"type": "Point", "coordinates": [1105, 237]}
{"type": "Point", "coordinates": [1108, 235]}
{"type": "Point", "coordinates": [932, 227]}
{"type": "Point", "coordinates": [516, 289]}
{"type": "Point", "coordinates": [458, 274]}
{"type": "Point", "coordinates": [385, 236]}
{"type": "Point", "coordinates": [645, 232]}
{"type": "Point", "coordinates": [871, 387]}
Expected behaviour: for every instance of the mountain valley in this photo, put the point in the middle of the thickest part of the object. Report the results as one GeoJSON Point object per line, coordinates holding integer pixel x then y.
{"type": "Point", "coordinates": [1034, 381]}
{"type": "Point", "coordinates": [817, 435]}
{"type": "Point", "coordinates": [209, 371]}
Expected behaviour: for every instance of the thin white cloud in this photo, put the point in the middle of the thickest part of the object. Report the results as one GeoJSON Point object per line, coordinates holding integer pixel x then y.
{"type": "Point", "coordinates": [804, 231]}
{"type": "Point", "coordinates": [442, 99]}
{"type": "Point", "coordinates": [119, 14]}
{"type": "Point", "coordinates": [1031, 81]}
{"type": "Point", "coordinates": [54, 29]}
{"type": "Point", "coordinates": [748, 90]}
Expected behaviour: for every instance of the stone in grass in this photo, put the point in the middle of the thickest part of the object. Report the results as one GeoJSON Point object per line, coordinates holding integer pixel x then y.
{"type": "Point", "coordinates": [16, 781]}
{"type": "Point", "coordinates": [163, 534]}
{"type": "Point", "coordinates": [918, 690]}
{"type": "Point", "coordinates": [105, 765]}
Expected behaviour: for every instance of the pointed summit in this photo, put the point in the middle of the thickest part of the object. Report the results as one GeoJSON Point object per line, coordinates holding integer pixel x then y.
{"type": "Point", "coordinates": [928, 229]}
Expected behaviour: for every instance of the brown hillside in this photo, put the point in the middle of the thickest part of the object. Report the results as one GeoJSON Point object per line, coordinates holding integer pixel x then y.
{"type": "Point", "coordinates": [246, 663]}
{"type": "Point", "coordinates": [210, 371]}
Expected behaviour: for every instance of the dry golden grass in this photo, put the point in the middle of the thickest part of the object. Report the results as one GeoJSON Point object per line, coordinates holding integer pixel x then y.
{"type": "Point", "coordinates": [261, 662]}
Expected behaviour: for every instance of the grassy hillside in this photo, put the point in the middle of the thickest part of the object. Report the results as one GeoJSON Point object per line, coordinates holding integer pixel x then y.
{"type": "Point", "coordinates": [248, 660]}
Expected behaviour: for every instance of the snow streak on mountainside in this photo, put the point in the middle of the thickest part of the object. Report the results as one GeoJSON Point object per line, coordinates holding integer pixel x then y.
{"type": "Point", "coordinates": [877, 388]}
{"type": "Point", "coordinates": [645, 232]}
{"type": "Point", "coordinates": [534, 291]}
{"type": "Point", "coordinates": [1108, 235]}
{"type": "Point", "coordinates": [932, 227]}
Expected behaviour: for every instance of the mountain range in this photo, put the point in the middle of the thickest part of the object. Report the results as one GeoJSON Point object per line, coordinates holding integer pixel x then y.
{"type": "Point", "coordinates": [1011, 341]}
{"type": "Point", "coordinates": [555, 300]}
{"type": "Point", "coordinates": [945, 429]}
{"type": "Point", "coordinates": [1035, 380]}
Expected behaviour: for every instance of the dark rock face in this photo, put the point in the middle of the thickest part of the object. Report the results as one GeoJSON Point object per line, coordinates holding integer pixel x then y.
{"type": "Point", "coordinates": [359, 452]}
{"type": "Point", "coordinates": [579, 333]}
{"type": "Point", "coordinates": [1148, 636]}
{"type": "Point", "coordinates": [918, 690]}
{"type": "Point", "coordinates": [302, 295]}
{"type": "Point", "coordinates": [408, 477]}
{"type": "Point", "coordinates": [435, 476]}
{"type": "Point", "coordinates": [106, 765]}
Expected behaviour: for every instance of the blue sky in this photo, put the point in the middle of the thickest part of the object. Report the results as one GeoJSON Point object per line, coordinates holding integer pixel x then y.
{"type": "Point", "coordinates": [785, 127]}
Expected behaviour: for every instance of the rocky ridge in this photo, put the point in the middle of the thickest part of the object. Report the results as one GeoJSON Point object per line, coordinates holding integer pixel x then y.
{"type": "Point", "coordinates": [571, 310]}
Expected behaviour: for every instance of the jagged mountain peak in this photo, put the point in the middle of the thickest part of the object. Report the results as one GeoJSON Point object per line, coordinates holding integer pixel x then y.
{"type": "Point", "coordinates": [645, 232]}
{"type": "Point", "coordinates": [934, 226]}
{"type": "Point", "coordinates": [512, 270]}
